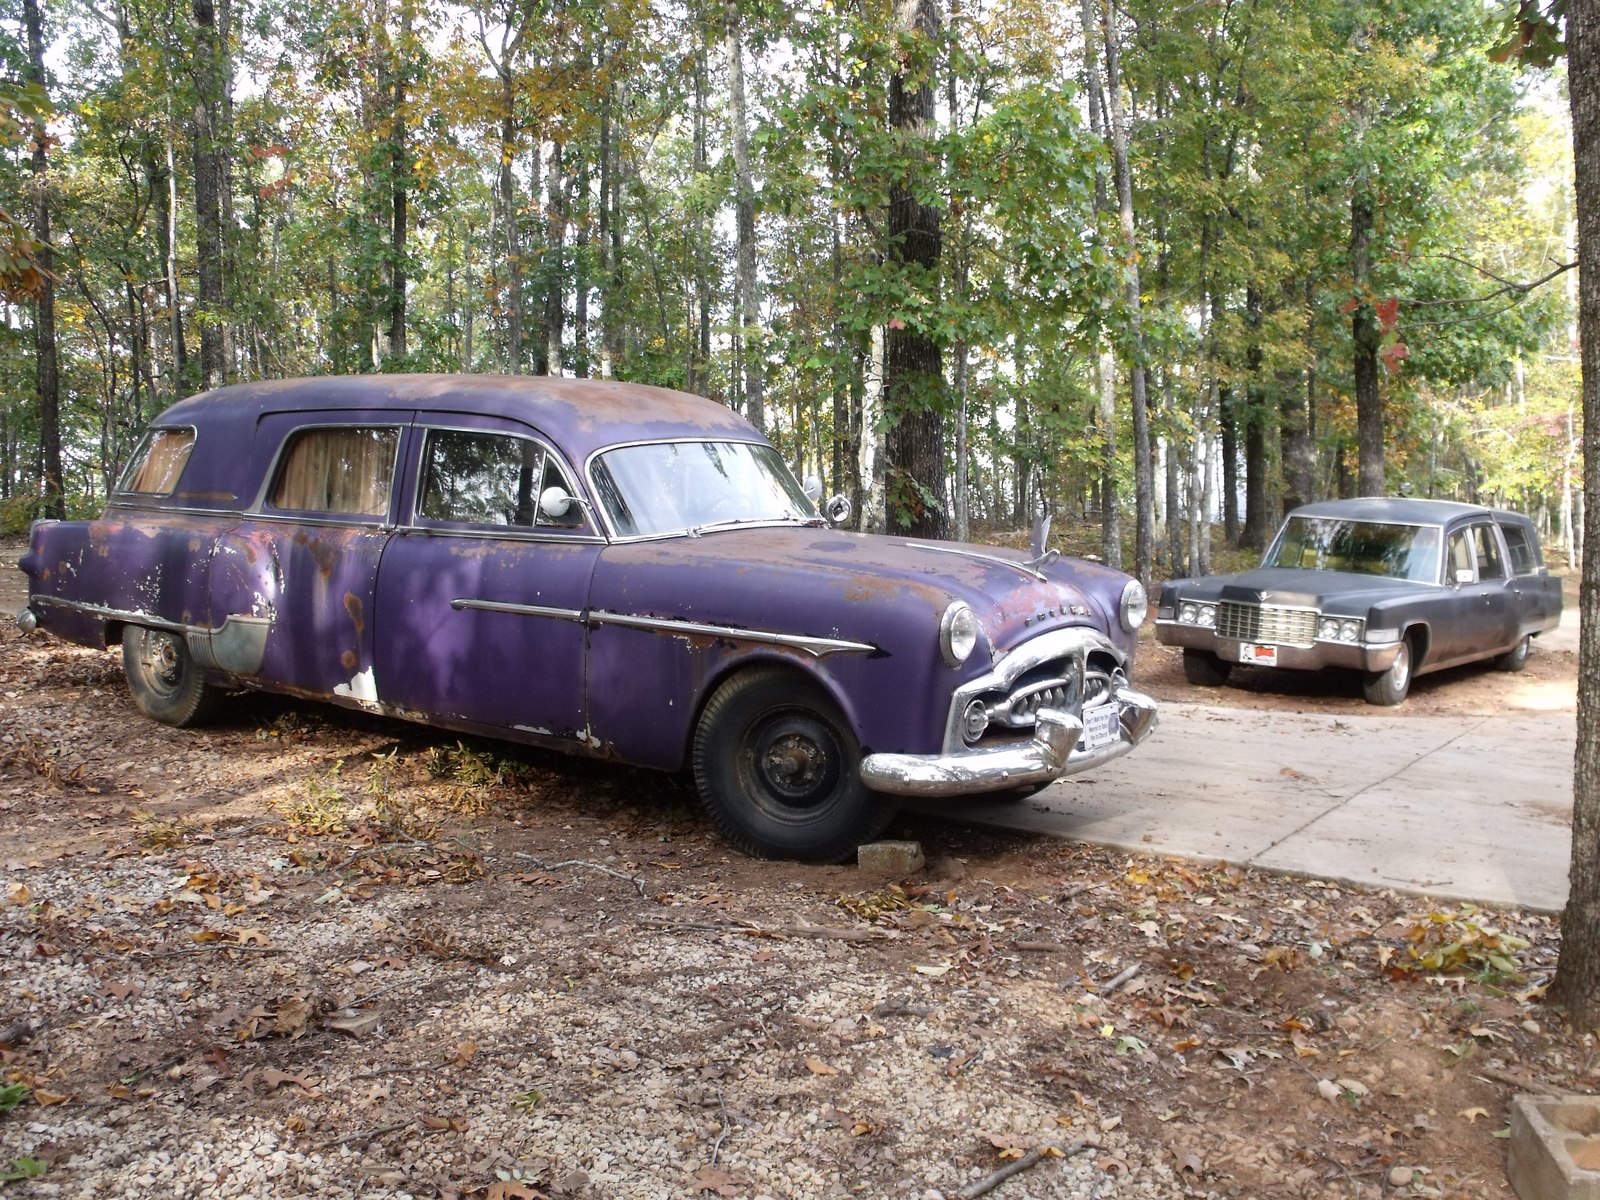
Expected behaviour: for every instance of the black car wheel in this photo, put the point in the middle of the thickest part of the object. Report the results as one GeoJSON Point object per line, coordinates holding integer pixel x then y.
{"type": "Point", "coordinates": [1515, 658]}
{"type": "Point", "coordinates": [165, 682]}
{"type": "Point", "coordinates": [1390, 687]}
{"type": "Point", "coordinates": [1204, 669]}
{"type": "Point", "coordinates": [778, 769]}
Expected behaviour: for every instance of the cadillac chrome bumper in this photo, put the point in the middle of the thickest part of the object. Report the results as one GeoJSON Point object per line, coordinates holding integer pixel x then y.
{"type": "Point", "coordinates": [1055, 751]}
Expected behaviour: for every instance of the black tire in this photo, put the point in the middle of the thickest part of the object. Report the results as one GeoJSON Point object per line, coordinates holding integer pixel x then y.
{"type": "Point", "coordinates": [1204, 669]}
{"type": "Point", "coordinates": [777, 767]}
{"type": "Point", "coordinates": [165, 682]}
{"type": "Point", "coordinates": [1515, 658]}
{"type": "Point", "coordinates": [1388, 688]}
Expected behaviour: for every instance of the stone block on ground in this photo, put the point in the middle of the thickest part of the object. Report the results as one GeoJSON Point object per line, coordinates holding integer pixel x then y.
{"type": "Point", "coordinates": [893, 860]}
{"type": "Point", "coordinates": [1555, 1147]}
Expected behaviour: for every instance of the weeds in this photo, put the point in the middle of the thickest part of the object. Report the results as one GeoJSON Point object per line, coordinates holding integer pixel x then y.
{"type": "Point", "coordinates": [318, 808]}
{"type": "Point", "coordinates": [159, 833]}
{"type": "Point", "coordinates": [1455, 943]}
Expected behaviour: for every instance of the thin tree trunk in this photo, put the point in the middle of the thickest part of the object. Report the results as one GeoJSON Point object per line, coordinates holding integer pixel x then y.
{"type": "Point", "coordinates": [400, 180]}
{"type": "Point", "coordinates": [555, 275]}
{"type": "Point", "coordinates": [1143, 481]}
{"type": "Point", "coordinates": [1256, 517]}
{"type": "Point", "coordinates": [207, 194]}
{"type": "Point", "coordinates": [1364, 334]}
{"type": "Point", "coordinates": [512, 300]}
{"type": "Point", "coordinates": [1577, 980]}
{"type": "Point", "coordinates": [47, 376]}
{"type": "Point", "coordinates": [745, 228]}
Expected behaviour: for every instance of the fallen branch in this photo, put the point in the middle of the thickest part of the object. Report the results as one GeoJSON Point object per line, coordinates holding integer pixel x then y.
{"type": "Point", "coordinates": [1520, 1084]}
{"type": "Point", "coordinates": [1122, 979]}
{"type": "Point", "coordinates": [593, 866]}
{"type": "Point", "coordinates": [438, 1066]}
{"type": "Point", "coordinates": [207, 948]}
{"type": "Point", "coordinates": [830, 933]}
{"type": "Point", "coordinates": [989, 1182]}
{"type": "Point", "coordinates": [364, 1135]}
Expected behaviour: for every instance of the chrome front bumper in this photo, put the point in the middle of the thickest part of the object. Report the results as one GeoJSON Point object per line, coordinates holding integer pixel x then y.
{"type": "Point", "coordinates": [1053, 752]}
{"type": "Point", "coordinates": [1357, 656]}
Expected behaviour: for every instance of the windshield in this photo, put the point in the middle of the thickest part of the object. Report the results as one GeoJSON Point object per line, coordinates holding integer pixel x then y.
{"type": "Point", "coordinates": [1364, 547]}
{"type": "Point", "coordinates": [670, 487]}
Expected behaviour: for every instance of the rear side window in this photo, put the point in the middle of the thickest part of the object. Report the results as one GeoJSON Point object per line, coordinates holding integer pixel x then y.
{"type": "Point", "coordinates": [488, 479]}
{"type": "Point", "coordinates": [159, 461]}
{"type": "Point", "coordinates": [348, 471]}
{"type": "Point", "coordinates": [1522, 549]}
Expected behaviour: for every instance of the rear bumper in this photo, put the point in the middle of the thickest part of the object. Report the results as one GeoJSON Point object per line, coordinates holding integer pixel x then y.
{"type": "Point", "coordinates": [1054, 751]}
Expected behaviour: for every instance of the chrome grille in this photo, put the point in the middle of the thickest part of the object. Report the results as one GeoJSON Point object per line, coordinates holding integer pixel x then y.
{"type": "Point", "coordinates": [1057, 685]}
{"type": "Point", "coordinates": [1266, 623]}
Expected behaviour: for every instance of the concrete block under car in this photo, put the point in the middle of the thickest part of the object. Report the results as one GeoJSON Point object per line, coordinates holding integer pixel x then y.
{"type": "Point", "coordinates": [892, 860]}
{"type": "Point", "coordinates": [1555, 1147]}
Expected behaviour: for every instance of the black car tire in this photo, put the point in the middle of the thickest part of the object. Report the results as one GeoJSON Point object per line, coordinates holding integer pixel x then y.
{"type": "Point", "coordinates": [1388, 688]}
{"type": "Point", "coordinates": [1204, 669]}
{"type": "Point", "coordinates": [778, 769]}
{"type": "Point", "coordinates": [164, 680]}
{"type": "Point", "coordinates": [1515, 658]}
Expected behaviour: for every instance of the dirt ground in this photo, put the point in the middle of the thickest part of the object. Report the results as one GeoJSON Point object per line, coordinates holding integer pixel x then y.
{"type": "Point", "coordinates": [306, 952]}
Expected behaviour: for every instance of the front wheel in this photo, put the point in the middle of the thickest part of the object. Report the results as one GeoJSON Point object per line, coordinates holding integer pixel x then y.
{"type": "Point", "coordinates": [1204, 669]}
{"type": "Point", "coordinates": [1389, 687]}
{"type": "Point", "coordinates": [1515, 658]}
{"type": "Point", "coordinates": [778, 769]}
{"type": "Point", "coordinates": [165, 682]}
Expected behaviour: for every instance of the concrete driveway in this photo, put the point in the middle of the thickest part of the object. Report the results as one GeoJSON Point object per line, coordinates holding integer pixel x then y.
{"type": "Point", "coordinates": [1463, 808]}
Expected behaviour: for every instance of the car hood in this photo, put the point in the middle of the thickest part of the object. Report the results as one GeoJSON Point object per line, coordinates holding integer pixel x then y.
{"type": "Point", "coordinates": [1294, 587]}
{"type": "Point", "coordinates": [864, 587]}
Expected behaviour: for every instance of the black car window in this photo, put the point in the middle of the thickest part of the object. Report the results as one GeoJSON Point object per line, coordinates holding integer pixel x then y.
{"type": "Point", "coordinates": [477, 478]}
{"type": "Point", "coordinates": [1463, 568]}
{"type": "Point", "coordinates": [349, 471]}
{"type": "Point", "coordinates": [1524, 557]}
{"type": "Point", "coordinates": [1486, 552]}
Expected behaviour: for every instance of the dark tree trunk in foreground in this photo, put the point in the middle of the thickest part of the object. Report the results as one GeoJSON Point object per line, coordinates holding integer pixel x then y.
{"type": "Point", "coordinates": [1364, 333]}
{"type": "Point", "coordinates": [913, 364]}
{"type": "Point", "coordinates": [44, 324]}
{"type": "Point", "coordinates": [208, 194]}
{"type": "Point", "coordinates": [1577, 981]}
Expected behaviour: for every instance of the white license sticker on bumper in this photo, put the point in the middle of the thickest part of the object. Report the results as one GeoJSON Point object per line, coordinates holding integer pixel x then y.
{"type": "Point", "coordinates": [1261, 656]}
{"type": "Point", "coordinates": [1101, 726]}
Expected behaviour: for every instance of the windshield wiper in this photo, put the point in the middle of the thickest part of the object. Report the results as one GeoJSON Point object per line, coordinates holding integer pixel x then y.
{"type": "Point", "coordinates": [730, 522]}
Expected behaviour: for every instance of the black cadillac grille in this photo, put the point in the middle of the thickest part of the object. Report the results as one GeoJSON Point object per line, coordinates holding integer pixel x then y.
{"type": "Point", "coordinates": [1266, 623]}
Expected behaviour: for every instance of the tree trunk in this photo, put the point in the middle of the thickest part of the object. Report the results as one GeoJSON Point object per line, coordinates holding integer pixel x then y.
{"type": "Point", "coordinates": [208, 194]}
{"type": "Point", "coordinates": [745, 228]}
{"type": "Point", "coordinates": [914, 398]}
{"type": "Point", "coordinates": [47, 377]}
{"type": "Point", "coordinates": [1364, 335]}
{"type": "Point", "coordinates": [555, 275]}
{"type": "Point", "coordinates": [1294, 423]}
{"type": "Point", "coordinates": [1577, 980]}
{"type": "Point", "coordinates": [400, 181]}
{"type": "Point", "coordinates": [1257, 520]}
{"type": "Point", "coordinates": [1143, 480]}
{"type": "Point", "coordinates": [511, 301]}
{"type": "Point", "coordinates": [698, 374]}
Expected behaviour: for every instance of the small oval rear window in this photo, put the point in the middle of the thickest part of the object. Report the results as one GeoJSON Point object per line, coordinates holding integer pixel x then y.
{"type": "Point", "coordinates": [156, 466]}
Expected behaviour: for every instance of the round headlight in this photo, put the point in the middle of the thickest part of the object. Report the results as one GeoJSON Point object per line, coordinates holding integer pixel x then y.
{"type": "Point", "coordinates": [1349, 631]}
{"type": "Point", "coordinates": [1189, 614]}
{"type": "Point", "coordinates": [1133, 607]}
{"type": "Point", "coordinates": [1208, 615]}
{"type": "Point", "coordinates": [958, 633]}
{"type": "Point", "coordinates": [1328, 630]}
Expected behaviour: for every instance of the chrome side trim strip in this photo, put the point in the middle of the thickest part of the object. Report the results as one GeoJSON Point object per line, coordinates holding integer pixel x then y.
{"type": "Point", "coordinates": [522, 610]}
{"type": "Point", "coordinates": [816, 646]}
{"type": "Point", "coordinates": [133, 616]}
{"type": "Point", "coordinates": [1030, 572]}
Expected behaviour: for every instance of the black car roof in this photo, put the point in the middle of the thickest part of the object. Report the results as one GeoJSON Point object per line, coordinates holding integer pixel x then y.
{"type": "Point", "coordinates": [1402, 510]}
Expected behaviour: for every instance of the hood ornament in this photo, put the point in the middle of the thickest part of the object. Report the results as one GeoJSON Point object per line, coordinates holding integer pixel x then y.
{"type": "Point", "coordinates": [1042, 557]}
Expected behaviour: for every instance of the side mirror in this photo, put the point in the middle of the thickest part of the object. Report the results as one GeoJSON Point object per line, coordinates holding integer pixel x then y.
{"type": "Point", "coordinates": [1464, 575]}
{"type": "Point", "coordinates": [837, 509]}
{"type": "Point", "coordinates": [813, 488]}
{"type": "Point", "coordinates": [556, 503]}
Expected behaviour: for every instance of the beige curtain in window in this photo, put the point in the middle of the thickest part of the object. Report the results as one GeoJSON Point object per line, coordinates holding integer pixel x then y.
{"type": "Point", "coordinates": [163, 462]}
{"type": "Point", "coordinates": [348, 471]}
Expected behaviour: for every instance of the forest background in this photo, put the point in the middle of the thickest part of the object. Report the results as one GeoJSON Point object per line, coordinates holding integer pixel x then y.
{"type": "Point", "coordinates": [1157, 262]}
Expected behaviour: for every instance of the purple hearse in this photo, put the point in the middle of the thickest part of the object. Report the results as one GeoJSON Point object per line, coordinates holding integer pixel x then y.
{"type": "Point", "coordinates": [602, 568]}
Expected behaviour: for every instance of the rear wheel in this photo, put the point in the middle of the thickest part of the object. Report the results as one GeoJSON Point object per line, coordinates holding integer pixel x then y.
{"type": "Point", "coordinates": [165, 682]}
{"type": "Point", "coordinates": [778, 769]}
{"type": "Point", "coordinates": [1390, 687]}
{"type": "Point", "coordinates": [1204, 669]}
{"type": "Point", "coordinates": [1515, 658]}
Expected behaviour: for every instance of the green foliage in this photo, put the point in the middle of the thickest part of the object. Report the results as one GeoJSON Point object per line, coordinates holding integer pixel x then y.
{"type": "Point", "coordinates": [12, 1095]}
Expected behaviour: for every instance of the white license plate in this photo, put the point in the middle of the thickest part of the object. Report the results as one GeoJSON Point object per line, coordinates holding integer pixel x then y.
{"type": "Point", "coordinates": [1261, 656]}
{"type": "Point", "coordinates": [1101, 726]}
